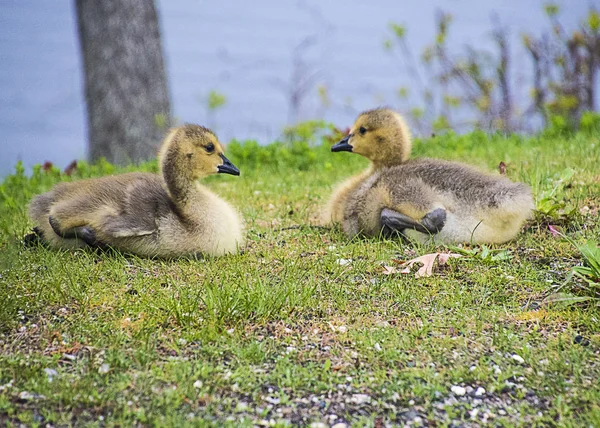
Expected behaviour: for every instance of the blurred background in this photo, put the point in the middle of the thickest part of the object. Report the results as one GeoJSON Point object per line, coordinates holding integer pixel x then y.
{"type": "Point", "coordinates": [249, 69]}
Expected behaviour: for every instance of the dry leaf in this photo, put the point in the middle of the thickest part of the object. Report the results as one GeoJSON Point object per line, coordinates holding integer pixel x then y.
{"type": "Point", "coordinates": [389, 270]}
{"type": "Point", "coordinates": [428, 260]}
{"type": "Point", "coordinates": [444, 257]}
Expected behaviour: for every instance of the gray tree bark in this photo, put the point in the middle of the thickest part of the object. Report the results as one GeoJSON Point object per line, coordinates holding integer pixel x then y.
{"type": "Point", "coordinates": [125, 81]}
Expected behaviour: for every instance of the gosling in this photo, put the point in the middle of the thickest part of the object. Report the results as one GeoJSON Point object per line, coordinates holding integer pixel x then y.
{"type": "Point", "coordinates": [427, 200]}
{"type": "Point", "coordinates": [148, 214]}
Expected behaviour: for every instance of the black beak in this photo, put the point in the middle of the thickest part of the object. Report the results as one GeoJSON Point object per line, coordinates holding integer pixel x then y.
{"type": "Point", "coordinates": [342, 146]}
{"type": "Point", "coordinates": [227, 167]}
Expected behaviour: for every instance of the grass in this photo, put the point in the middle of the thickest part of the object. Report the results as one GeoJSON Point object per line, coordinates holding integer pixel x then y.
{"type": "Point", "coordinates": [288, 333]}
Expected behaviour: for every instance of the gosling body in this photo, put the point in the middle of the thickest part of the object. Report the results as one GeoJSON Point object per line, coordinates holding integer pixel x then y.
{"type": "Point", "coordinates": [166, 215]}
{"type": "Point", "coordinates": [427, 200]}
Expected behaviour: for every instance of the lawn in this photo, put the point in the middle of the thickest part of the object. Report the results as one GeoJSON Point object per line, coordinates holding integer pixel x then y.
{"type": "Point", "coordinates": [306, 326]}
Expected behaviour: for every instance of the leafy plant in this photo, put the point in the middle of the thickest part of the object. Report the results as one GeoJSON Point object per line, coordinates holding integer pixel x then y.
{"type": "Point", "coordinates": [550, 202]}
{"type": "Point", "coordinates": [480, 82]}
{"type": "Point", "coordinates": [484, 253]}
{"type": "Point", "coordinates": [591, 272]}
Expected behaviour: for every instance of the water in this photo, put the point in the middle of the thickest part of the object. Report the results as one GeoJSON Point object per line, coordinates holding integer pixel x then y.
{"type": "Point", "coordinates": [244, 50]}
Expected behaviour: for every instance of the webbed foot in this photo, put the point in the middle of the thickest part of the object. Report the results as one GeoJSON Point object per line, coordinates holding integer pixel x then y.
{"type": "Point", "coordinates": [434, 221]}
{"type": "Point", "coordinates": [395, 223]}
{"type": "Point", "coordinates": [85, 233]}
{"type": "Point", "coordinates": [34, 238]}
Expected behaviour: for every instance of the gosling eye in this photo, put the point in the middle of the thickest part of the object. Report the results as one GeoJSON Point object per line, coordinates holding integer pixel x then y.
{"type": "Point", "coordinates": [362, 130]}
{"type": "Point", "coordinates": [189, 155]}
{"type": "Point", "coordinates": [210, 147]}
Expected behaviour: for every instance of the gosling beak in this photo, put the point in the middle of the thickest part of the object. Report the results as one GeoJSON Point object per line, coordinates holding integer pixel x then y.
{"type": "Point", "coordinates": [342, 146]}
{"type": "Point", "coordinates": [227, 167]}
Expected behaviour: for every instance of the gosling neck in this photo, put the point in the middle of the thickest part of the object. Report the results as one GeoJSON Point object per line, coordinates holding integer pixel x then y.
{"type": "Point", "coordinates": [177, 176]}
{"type": "Point", "coordinates": [387, 162]}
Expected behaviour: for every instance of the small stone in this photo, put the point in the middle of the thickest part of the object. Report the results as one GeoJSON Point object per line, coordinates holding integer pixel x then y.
{"type": "Point", "coordinates": [318, 425]}
{"type": "Point", "coordinates": [458, 390]}
{"type": "Point", "coordinates": [340, 425]}
{"type": "Point", "coordinates": [377, 347]}
{"type": "Point", "coordinates": [272, 400]}
{"type": "Point", "coordinates": [580, 340]}
{"type": "Point", "coordinates": [411, 415]}
{"type": "Point", "coordinates": [104, 368]}
{"type": "Point", "coordinates": [497, 370]}
{"type": "Point", "coordinates": [182, 341]}
{"type": "Point", "coordinates": [241, 406]}
{"type": "Point", "coordinates": [50, 373]}
{"type": "Point", "coordinates": [26, 395]}
{"type": "Point", "coordinates": [360, 399]}
{"type": "Point", "coordinates": [198, 384]}
{"type": "Point", "coordinates": [518, 358]}
{"type": "Point", "coordinates": [479, 391]}
{"type": "Point", "coordinates": [343, 262]}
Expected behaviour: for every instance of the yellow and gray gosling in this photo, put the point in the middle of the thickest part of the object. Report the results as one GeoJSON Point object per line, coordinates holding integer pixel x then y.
{"type": "Point", "coordinates": [165, 215]}
{"type": "Point", "coordinates": [423, 199]}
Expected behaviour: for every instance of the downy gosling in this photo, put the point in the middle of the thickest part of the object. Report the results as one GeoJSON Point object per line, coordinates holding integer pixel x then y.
{"type": "Point", "coordinates": [422, 199]}
{"type": "Point", "coordinates": [148, 214]}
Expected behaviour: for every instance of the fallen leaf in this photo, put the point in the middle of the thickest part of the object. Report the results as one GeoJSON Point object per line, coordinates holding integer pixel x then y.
{"type": "Point", "coordinates": [444, 257]}
{"type": "Point", "coordinates": [428, 261]}
{"type": "Point", "coordinates": [389, 270]}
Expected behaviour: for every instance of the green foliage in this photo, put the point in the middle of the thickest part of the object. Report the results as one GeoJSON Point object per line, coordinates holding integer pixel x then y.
{"type": "Point", "coordinates": [484, 253]}
{"type": "Point", "coordinates": [591, 271]}
{"type": "Point", "coordinates": [590, 122]}
{"type": "Point", "coordinates": [277, 156]}
{"type": "Point", "coordinates": [310, 132]}
{"type": "Point", "coordinates": [572, 292]}
{"type": "Point", "coordinates": [398, 30]}
{"type": "Point", "coordinates": [551, 9]}
{"type": "Point", "coordinates": [478, 82]}
{"type": "Point", "coordinates": [594, 20]}
{"type": "Point", "coordinates": [215, 100]}
{"type": "Point", "coordinates": [551, 203]}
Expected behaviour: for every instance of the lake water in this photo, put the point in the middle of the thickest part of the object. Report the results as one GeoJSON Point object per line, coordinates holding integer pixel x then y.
{"type": "Point", "coordinates": [244, 50]}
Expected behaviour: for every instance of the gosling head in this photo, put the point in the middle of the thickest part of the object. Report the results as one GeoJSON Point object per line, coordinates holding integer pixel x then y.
{"type": "Point", "coordinates": [380, 135]}
{"type": "Point", "coordinates": [193, 152]}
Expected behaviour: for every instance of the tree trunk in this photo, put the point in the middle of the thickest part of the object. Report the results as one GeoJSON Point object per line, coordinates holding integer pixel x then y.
{"type": "Point", "coordinates": [125, 81]}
